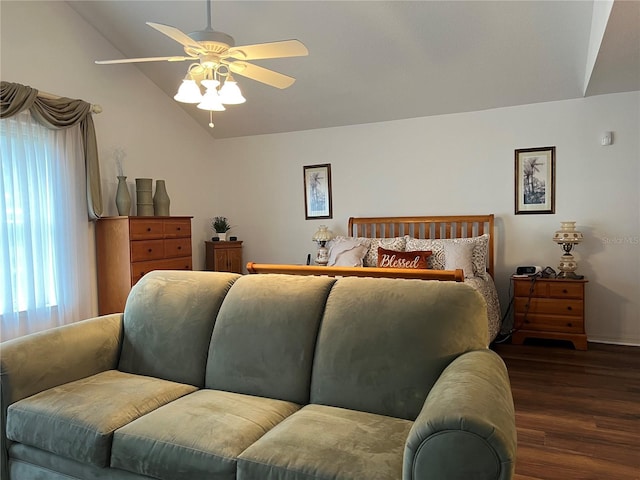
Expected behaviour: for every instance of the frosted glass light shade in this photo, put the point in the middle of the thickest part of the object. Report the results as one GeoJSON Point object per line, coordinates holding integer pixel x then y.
{"type": "Point", "coordinates": [568, 234]}
{"type": "Point", "coordinates": [211, 101]}
{"type": "Point", "coordinates": [189, 92]}
{"type": "Point", "coordinates": [230, 93]}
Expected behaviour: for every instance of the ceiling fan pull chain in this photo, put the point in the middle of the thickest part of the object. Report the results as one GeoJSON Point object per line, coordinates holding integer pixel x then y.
{"type": "Point", "coordinates": [211, 125]}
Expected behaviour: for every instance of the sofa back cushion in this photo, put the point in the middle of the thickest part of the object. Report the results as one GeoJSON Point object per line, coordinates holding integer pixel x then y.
{"type": "Point", "coordinates": [168, 320]}
{"type": "Point", "coordinates": [384, 342]}
{"type": "Point", "coordinates": [265, 335]}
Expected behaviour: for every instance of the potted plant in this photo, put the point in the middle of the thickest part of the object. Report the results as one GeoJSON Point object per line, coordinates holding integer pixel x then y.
{"type": "Point", "coordinates": [221, 226]}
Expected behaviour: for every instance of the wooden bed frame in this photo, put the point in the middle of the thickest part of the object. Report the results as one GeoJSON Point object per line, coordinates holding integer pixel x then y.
{"type": "Point", "coordinates": [463, 226]}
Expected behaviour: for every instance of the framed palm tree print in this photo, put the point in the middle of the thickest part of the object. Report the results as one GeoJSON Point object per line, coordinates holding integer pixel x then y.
{"type": "Point", "coordinates": [535, 187]}
{"type": "Point", "coordinates": [317, 191]}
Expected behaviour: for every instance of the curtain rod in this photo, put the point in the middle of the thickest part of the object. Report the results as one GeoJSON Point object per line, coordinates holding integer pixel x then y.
{"type": "Point", "coordinates": [95, 108]}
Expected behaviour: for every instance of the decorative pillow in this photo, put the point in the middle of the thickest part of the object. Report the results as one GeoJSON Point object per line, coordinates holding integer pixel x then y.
{"type": "Point", "coordinates": [459, 255]}
{"type": "Point", "coordinates": [371, 258]}
{"type": "Point", "coordinates": [437, 260]}
{"type": "Point", "coordinates": [347, 252]}
{"type": "Point", "coordinates": [393, 259]}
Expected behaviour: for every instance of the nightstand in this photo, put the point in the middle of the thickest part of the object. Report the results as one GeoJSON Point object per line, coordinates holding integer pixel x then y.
{"type": "Point", "coordinates": [223, 256]}
{"type": "Point", "coordinates": [549, 308]}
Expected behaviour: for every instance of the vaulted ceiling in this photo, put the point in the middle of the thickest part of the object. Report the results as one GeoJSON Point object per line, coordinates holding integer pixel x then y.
{"type": "Point", "coordinates": [372, 61]}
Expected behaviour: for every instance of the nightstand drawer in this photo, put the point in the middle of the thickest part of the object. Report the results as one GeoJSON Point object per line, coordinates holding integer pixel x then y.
{"type": "Point", "coordinates": [566, 290]}
{"type": "Point", "coordinates": [549, 306]}
{"type": "Point", "coordinates": [548, 323]}
{"type": "Point", "coordinates": [546, 288]}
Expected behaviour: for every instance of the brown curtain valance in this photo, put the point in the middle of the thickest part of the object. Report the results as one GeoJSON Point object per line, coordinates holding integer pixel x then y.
{"type": "Point", "coordinates": [57, 114]}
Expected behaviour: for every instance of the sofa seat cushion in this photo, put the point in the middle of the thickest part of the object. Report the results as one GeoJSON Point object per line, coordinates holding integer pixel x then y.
{"type": "Point", "coordinates": [322, 442]}
{"type": "Point", "coordinates": [77, 420]}
{"type": "Point", "coordinates": [198, 436]}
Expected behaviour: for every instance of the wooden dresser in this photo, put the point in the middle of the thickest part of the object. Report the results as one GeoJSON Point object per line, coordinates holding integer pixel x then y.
{"type": "Point", "coordinates": [129, 247]}
{"type": "Point", "coordinates": [223, 256]}
{"type": "Point", "coordinates": [549, 308]}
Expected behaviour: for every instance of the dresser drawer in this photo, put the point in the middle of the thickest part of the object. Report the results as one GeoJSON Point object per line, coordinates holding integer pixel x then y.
{"type": "Point", "coordinates": [146, 228]}
{"type": "Point", "coordinates": [549, 323]}
{"type": "Point", "coordinates": [142, 250]}
{"type": "Point", "coordinates": [177, 247]}
{"type": "Point", "coordinates": [179, 227]}
{"type": "Point", "coordinates": [549, 306]}
{"type": "Point", "coordinates": [139, 269]}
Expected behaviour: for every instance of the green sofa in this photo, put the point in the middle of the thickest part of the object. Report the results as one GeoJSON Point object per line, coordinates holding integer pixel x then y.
{"type": "Point", "coordinates": [212, 375]}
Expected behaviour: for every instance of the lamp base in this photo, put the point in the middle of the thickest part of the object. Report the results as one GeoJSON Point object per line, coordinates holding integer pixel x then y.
{"type": "Point", "coordinates": [570, 275]}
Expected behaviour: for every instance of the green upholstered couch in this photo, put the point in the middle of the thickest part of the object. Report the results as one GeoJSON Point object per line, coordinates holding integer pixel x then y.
{"type": "Point", "coordinates": [213, 375]}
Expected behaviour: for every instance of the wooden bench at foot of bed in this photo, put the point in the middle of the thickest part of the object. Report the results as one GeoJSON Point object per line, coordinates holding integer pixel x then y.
{"type": "Point", "coordinates": [375, 272]}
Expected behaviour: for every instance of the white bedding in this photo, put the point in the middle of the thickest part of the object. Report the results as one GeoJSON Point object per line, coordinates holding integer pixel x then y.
{"type": "Point", "coordinates": [487, 289]}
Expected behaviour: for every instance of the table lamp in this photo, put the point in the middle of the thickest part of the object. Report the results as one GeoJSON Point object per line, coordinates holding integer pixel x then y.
{"type": "Point", "coordinates": [567, 237]}
{"type": "Point", "coordinates": [321, 237]}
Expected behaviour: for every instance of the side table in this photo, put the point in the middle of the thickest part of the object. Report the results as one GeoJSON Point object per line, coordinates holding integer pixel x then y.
{"type": "Point", "coordinates": [549, 308]}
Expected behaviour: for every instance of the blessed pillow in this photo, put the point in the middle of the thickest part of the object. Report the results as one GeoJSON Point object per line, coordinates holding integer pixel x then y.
{"type": "Point", "coordinates": [347, 251]}
{"type": "Point", "coordinates": [394, 259]}
{"type": "Point", "coordinates": [438, 259]}
{"type": "Point", "coordinates": [371, 258]}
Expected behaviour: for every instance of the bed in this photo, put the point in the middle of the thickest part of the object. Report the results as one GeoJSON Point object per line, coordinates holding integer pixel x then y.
{"type": "Point", "coordinates": [456, 248]}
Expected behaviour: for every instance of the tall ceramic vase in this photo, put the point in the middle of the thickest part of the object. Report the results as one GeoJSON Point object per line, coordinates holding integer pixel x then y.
{"type": "Point", "coordinates": [144, 197]}
{"type": "Point", "coordinates": [161, 200]}
{"type": "Point", "coordinates": [123, 199]}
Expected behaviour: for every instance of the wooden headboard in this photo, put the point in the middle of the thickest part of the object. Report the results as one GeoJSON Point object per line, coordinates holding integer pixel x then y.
{"type": "Point", "coordinates": [463, 226]}
{"type": "Point", "coordinates": [458, 226]}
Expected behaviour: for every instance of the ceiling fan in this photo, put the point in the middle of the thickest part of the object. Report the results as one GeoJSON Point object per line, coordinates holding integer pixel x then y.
{"type": "Point", "coordinates": [216, 57]}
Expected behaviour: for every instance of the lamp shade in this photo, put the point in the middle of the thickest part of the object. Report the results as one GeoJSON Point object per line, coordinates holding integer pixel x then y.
{"type": "Point", "coordinates": [323, 234]}
{"type": "Point", "coordinates": [211, 101]}
{"type": "Point", "coordinates": [189, 92]}
{"type": "Point", "coordinates": [230, 93]}
{"type": "Point", "coordinates": [568, 234]}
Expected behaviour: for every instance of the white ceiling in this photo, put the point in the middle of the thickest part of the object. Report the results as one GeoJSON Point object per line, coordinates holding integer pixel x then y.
{"type": "Point", "coordinates": [372, 61]}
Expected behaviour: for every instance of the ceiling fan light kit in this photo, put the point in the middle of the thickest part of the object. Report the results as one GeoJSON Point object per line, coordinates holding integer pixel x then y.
{"type": "Point", "coordinates": [217, 58]}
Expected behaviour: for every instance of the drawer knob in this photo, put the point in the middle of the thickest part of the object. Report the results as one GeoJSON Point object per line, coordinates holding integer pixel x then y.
{"type": "Point", "coordinates": [565, 291]}
{"type": "Point", "coordinates": [569, 308]}
{"type": "Point", "coordinates": [569, 324]}
{"type": "Point", "coordinates": [150, 250]}
{"type": "Point", "coordinates": [179, 248]}
{"type": "Point", "coordinates": [141, 274]}
{"type": "Point", "coordinates": [179, 229]}
{"type": "Point", "coordinates": [527, 321]}
{"type": "Point", "coordinates": [148, 229]}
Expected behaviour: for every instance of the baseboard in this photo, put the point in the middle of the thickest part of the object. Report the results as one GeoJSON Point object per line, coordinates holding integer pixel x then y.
{"type": "Point", "coordinates": [612, 342]}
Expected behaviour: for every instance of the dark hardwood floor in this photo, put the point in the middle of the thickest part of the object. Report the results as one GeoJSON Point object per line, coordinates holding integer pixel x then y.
{"type": "Point", "coordinates": [577, 413]}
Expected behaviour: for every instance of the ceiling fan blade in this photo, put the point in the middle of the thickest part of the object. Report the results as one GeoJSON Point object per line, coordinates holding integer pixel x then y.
{"type": "Point", "coordinates": [282, 49]}
{"type": "Point", "coordinates": [177, 35]}
{"type": "Point", "coordinates": [260, 74]}
{"type": "Point", "coordinates": [144, 59]}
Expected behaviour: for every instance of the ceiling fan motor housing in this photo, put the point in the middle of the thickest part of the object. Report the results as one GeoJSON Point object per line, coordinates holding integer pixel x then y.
{"type": "Point", "coordinates": [214, 42]}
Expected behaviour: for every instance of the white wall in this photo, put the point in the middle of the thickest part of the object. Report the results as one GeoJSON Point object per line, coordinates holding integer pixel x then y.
{"type": "Point", "coordinates": [450, 164]}
{"type": "Point", "coordinates": [461, 164]}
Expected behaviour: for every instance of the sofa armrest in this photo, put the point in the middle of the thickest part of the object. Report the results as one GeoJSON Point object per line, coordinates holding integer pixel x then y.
{"type": "Point", "coordinates": [43, 360]}
{"type": "Point", "coordinates": [466, 428]}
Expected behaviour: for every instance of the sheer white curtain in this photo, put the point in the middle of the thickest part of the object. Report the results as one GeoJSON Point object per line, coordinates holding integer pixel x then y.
{"type": "Point", "coordinates": [44, 264]}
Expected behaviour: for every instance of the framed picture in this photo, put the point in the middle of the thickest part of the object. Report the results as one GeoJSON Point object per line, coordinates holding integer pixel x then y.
{"type": "Point", "coordinates": [317, 191]}
{"type": "Point", "coordinates": [535, 171]}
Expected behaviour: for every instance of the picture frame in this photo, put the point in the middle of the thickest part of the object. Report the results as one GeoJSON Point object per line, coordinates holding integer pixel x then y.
{"type": "Point", "coordinates": [535, 182]}
{"type": "Point", "coordinates": [317, 191]}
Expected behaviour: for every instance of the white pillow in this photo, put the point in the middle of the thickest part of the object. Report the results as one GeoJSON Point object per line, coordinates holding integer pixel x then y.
{"type": "Point", "coordinates": [459, 255]}
{"type": "Point", "coordinates": [347, 252]}
{"type": "Point", "coordinates": [438, 257]}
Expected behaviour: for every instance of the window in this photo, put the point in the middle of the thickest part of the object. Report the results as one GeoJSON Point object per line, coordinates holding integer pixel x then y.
{"type": "Point", "coordinates": [43, 227]}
